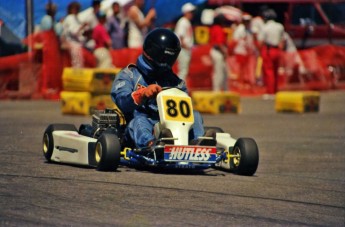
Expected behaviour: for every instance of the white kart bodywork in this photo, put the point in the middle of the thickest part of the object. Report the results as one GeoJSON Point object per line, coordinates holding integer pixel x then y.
{"type": "Point", "coordinates": [71, 147]}
{"type": "Point", "coordinates": [180, 124]}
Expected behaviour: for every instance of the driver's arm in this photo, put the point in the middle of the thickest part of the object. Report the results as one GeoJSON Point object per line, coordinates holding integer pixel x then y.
{"type": "Point", "coordinates": [121, 93]}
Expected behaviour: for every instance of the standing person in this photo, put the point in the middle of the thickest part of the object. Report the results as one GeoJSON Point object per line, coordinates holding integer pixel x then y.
{"type": "Point", "coordinates": [257, 23]}
{"type": "Point", "coordinates": [184, 31]}
{"type": "Point", "coordinates": [138, 24]}
{"type": "Point", "coordinates": [103, 42]}
{"type": "Point", "coordinates": [48, 21]}
{"type": "Point", "coordinates": [219, 54]}
{"type": "Point", "coordinates": [271, 41]}
{"type": "Point", "coordinates": [136, 86]}
{"type": "Point", "coordinates": [244, 51]}
{"type": "Point", "coordinates": [116, 27]}
{"type": "Point", "coordinates": [89, 17]}
{"type": "Point", "coordinates": [73, 30]}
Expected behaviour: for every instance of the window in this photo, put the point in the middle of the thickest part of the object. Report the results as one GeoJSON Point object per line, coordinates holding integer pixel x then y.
{"type": "Point", "coordinates": [306, 14]}
{"type": "Point", "coordinates": [335, 12]}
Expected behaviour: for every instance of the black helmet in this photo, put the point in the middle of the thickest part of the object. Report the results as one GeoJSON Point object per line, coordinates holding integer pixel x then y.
{"type": "Point", "coordinates": [161, 48]}
{"type": "Point", "coordinates": [270, 14]}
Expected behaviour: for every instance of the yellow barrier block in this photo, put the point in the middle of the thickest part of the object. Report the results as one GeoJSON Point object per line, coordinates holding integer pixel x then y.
{"type": "Point", "coordinates": [297, 101]}
{"type": "Point", "coordinates": [89, 79]}
{"type": "Point", "coordinates": [84, 103]}
{"type": "Point", "coordinates": [101, 102]}
{"type": "Point", "coordinates": [216, 102]}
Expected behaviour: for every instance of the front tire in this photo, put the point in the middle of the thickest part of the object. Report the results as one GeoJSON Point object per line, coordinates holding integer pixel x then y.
{"type": "Point", "coordinates": [107, 152]}
{"type": "Point", "coordinates": [246, 157]}
{"type": "Point", "coordinates": [48, 140]}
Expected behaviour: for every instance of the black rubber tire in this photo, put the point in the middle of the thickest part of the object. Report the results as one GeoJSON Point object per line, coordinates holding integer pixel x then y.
{"type": "Point", "coordinates": [48, 140]}
{"type": "Point", "coordinates": [249, 157]}
{"type": "Point", "coordinates": [108, 152]}
{"type": "Point", "coordinates": [217, 129]}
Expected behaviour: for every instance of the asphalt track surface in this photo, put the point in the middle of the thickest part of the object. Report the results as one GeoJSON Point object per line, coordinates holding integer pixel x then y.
{"type": "Point", "coordinates": [300, 180]}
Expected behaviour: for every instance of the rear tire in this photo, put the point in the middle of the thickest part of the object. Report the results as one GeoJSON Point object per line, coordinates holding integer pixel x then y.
{"type": "Point", "coordinates": [248, 157]}
{"type": "Point", "coordinates": [107, 152]}
{"type": "Point", "coordinates": [216, 129]}
{"type": "Point", "coordinates": [48, 140]}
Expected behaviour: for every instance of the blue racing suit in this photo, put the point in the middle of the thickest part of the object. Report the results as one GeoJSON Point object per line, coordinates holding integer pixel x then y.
{"type": "Point", "coordinates": [141, 118]}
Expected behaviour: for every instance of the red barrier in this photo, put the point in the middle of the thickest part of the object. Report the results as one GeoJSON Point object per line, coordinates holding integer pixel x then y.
{"type": "Point", "coordinates": [11, 62]}
{"type": "Point", "coordinates": [332, 59]}
{"type": "Point", "coordinates": [9, 72]}
{"type": "Point", "coordinates": [325, 68]}
{"type": "Point", "coordinates": [51, 83]}
{"type": "Point", "coordinates": [200, 69]}
{"type": "Point", "coordinates": [123, 57]}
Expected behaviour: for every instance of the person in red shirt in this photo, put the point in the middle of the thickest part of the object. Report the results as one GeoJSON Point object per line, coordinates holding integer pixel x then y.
{"type": "Point", "coordinates": [219, 54]}
{"type": "Point", "coordinates": [102, 42]}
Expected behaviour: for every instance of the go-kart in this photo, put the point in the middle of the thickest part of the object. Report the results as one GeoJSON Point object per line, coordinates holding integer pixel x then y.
{"type": "Point", "coordinates": [102, 145]}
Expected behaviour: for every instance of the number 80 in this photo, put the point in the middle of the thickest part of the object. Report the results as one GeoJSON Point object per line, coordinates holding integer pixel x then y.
{"type": "Point", "coordinates": [173, 110]}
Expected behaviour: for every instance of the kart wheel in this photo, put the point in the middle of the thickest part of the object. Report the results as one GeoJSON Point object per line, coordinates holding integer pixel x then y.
{"type": "Point", "coordinates": [246, 158]}
{"type": "Point", "coordinates": [48, 140]}
{"type": "Point", "coordinates": [216, 129]}
{"type": "Point", "coordinates": [107, 152]}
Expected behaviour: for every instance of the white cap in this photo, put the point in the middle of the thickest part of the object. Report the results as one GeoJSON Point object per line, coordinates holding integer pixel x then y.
{"type": "Point", "coordinates": [246, 16]}
{"type": "Point", "coordinates": [188, 7]}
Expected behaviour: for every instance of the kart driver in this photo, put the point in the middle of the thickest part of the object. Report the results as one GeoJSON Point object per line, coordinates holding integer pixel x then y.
{"type": "Point", "coordinates": [136, 87]}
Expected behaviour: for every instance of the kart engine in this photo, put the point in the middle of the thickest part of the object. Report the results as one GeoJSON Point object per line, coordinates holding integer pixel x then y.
{"type": "Point", "coordinates": [105, 119]}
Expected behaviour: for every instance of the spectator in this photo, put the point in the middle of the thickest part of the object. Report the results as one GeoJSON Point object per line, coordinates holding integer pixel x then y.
{"type": "Point", "coordinates": [103, 42]}
{"type": "Point", "coordinates": [291, 60]}
{"type": "Point", "coordinates": [117, 27]}
{"type": "Point", "coordinates": [138, 24]}
{"type": "Point", "coordinates": [219, 54]}
{"type": "Point", "coordinates": [89, 17]}
{"type": "Point", "coordinates": [244, 50]}
{"type": "Point", "coordinates": [72, 36]}
{"type": "Point", "coordinates": [271, 41]}
{"type": "Point", "coordinates": [184, 31]}
{"type": "Point", "coordinates": [257, 23]}
{"type": "Point", "coordinates": [48, 21]}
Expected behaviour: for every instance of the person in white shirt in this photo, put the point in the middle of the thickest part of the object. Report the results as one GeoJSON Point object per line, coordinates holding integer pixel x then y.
{"type": "Point", "coordinates": [89, 16]}
{"type": "Point", "coordinates": [138, 24]}
{"type": "Point", "coordinates": [184, 31]}
{"type": "Point", "coordinates": [72, 36]}
{"type": "Point", "coordinates": [271, 41]}
{"type": "Point", "coordinates": [244, 51]}
{"type": "Point", "coordinates": [256, 25]}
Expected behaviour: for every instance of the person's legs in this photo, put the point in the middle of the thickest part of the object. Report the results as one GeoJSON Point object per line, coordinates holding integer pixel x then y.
{"type": "Point", "coordinates": [268, 70]}
{"type": "Point", "coordinates": [276, 55]}
{"type": "Point", "coordinates": [77, 59]}
{"type": "Point", "coordinates": [103, 58]}
{"type": "Point", "coordinates": [218, 70]}
{"type": "Point", "coordinates": [140, 130]}
{"type": "Point", "coordinates": [183, 64]}
{"type": "Point", "coordinates": [198, 126]}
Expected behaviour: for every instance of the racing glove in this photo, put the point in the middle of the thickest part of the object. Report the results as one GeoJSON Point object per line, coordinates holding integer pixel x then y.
{"type": "Point", "coordinates": [141, 95]}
